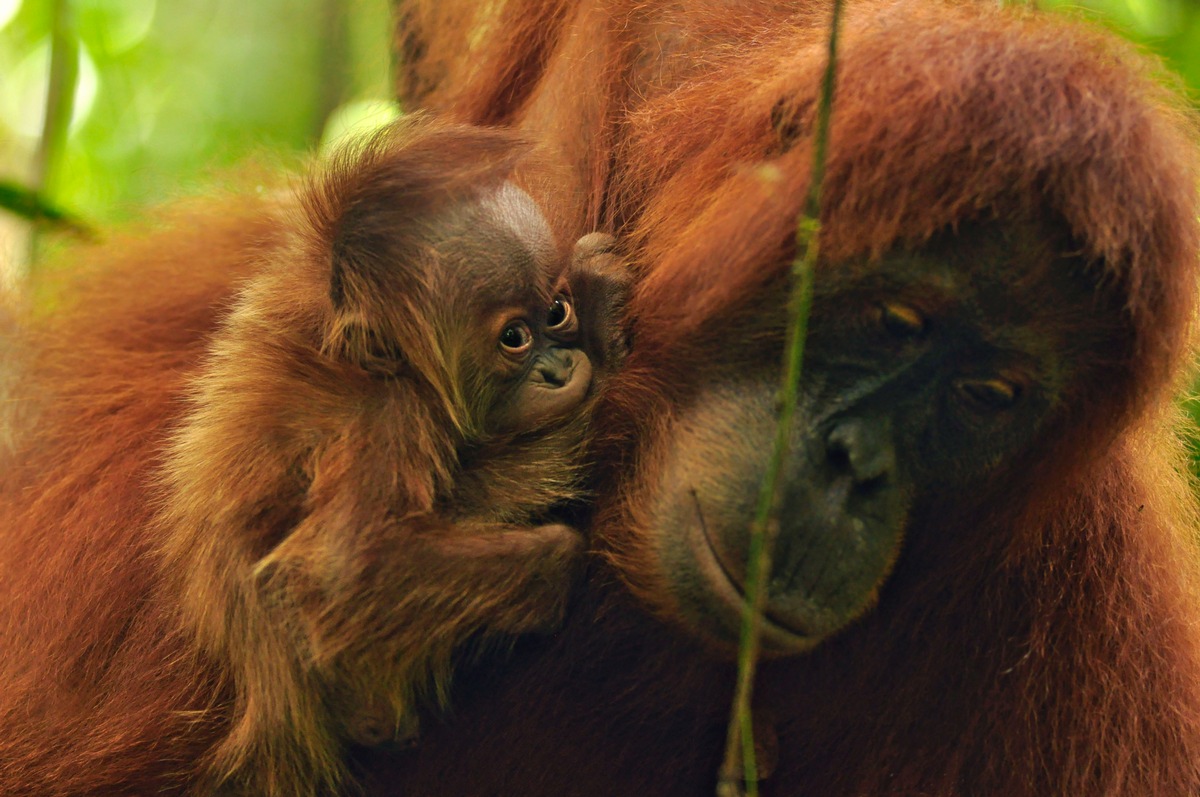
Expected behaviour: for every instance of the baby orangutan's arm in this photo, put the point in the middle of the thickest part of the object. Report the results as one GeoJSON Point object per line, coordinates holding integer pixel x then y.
{"type": "Point", "coordinates": [420, 587]}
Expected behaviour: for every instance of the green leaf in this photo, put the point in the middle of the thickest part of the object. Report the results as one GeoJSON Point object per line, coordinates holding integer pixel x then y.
{"type": "Point", "coordinates": [26, 203]}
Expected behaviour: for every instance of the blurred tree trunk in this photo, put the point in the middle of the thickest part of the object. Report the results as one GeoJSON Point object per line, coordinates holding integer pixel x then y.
{"type": "Point", "coordinates": [335, 56]}
{"type": "Point", "coordinates": [60, 102]}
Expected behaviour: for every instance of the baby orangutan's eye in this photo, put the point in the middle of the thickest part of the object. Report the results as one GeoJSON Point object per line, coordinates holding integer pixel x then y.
{"type": "Point", "coordinates": [516, 339]}
{"type": "Point", "coordinates": [561, 314]}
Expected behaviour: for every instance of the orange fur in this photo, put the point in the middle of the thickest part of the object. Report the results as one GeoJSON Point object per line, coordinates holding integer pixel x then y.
{"type": "Point", "coordinates": [1038, 637]}
{"type": "Point", "coordinates": [257, 505]}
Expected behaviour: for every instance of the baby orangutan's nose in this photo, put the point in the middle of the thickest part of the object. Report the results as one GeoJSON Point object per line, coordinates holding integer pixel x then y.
{"type": "Point", "coordinates": [555, 367]}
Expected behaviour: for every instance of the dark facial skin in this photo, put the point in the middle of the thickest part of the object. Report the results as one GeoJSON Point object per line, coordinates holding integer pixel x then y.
{"type": "Point", "coordinates": [923, 373]}
{"type": "Point", "coordinates": [544, 373]}
{"type": "Point", "coordinates": [541, 344]}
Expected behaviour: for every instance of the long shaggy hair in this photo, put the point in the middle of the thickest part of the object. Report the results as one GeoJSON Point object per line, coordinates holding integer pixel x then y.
{"type": "Point", "coordinates": [1040, 636]}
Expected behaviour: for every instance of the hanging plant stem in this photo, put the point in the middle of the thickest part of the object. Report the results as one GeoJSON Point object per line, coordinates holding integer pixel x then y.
{"type": "Point", "coordinates": [60, 101]}
{"type": "Point", "coordinates": [739, 765]}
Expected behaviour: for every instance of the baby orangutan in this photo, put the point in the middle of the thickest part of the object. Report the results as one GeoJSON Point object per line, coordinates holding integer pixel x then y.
{"type": "Point", "coordinates": [397, 400]}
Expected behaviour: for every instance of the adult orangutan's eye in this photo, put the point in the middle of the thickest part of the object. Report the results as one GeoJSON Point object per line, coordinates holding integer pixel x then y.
{"type": "Point", "coordinates": [992, 395]}
{"type": "Point", "coordinates": [901, 320]}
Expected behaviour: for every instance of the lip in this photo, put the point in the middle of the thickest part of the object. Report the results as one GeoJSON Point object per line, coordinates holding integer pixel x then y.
{"type": "Point", "coordinates": [729, 593]}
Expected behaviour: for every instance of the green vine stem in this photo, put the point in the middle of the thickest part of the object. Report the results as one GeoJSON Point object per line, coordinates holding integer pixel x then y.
{"type": "Point", "coordinates": [739, 766]}
{"type": "Point", "coordinates": [60, 101]}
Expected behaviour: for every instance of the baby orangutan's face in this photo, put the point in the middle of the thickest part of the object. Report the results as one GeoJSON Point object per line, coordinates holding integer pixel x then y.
{"type": "Point", "coordinates": [530, 333]}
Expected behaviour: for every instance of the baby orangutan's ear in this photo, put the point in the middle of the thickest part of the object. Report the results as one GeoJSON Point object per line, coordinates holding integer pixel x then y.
{"type": "Point", "coordinates": [377, 213]}
{"type": "Point", "coordinates": [352, 338]}
{"type": "Point", "coordinates": [355, 331]}
{"type": "Point", "coordinates": [375, 251]}
{"type": "Point", "coordinates": [379, 261]}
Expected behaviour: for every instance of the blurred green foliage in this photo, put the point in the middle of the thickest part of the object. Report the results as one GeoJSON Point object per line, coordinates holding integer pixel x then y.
{"type": "Point", "coordinates": [169, 91]}
{"type": "Point", "coordinates": [1170, 28]}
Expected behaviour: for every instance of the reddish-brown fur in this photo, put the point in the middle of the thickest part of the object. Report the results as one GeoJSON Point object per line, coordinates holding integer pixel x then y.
{"type": "Point", "coordinates": [239, 528]}
{"type": "Point", "coordinates": [1039, 637]}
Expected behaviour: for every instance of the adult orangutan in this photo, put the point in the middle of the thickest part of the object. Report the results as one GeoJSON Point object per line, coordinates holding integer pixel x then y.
{"type": "Point", "coordinates": [986, 574]}
{"type": "Point", "coordinates": [242, 535]}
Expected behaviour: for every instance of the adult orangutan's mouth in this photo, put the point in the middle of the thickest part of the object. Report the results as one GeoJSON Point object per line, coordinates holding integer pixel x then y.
{"type": "Point", "coordinates": [730, 598]}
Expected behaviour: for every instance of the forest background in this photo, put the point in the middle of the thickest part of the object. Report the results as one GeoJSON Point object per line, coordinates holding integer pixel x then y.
{"type": "Point", "coordinates": [151, 100]}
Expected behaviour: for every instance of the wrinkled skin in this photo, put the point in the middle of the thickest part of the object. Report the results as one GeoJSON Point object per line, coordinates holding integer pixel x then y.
{"type": "Point", "coordinates": [922, 373]}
